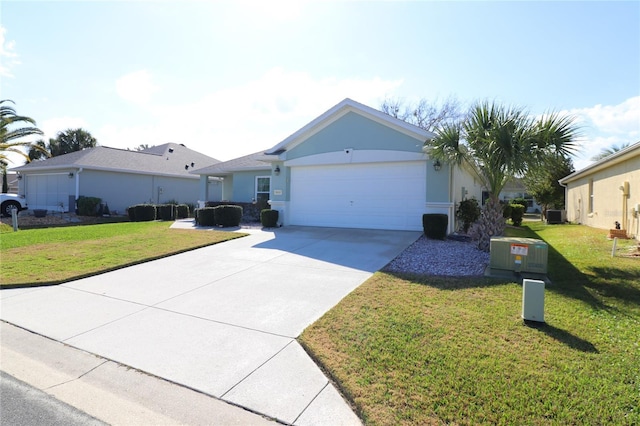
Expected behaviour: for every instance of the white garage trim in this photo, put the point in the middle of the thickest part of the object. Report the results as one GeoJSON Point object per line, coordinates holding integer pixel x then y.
{"type": "Point", "coordinates": [350, 156]}
{"type": "Point", "coordinates": [388, 195]}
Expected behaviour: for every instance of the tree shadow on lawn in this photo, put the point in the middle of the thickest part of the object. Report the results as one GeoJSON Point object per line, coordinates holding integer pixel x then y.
{"type": "Point", "coordinates": [618, 284]}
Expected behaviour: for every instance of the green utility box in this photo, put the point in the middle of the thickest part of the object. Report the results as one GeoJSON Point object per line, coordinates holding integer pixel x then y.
{"type": "Point", "coordinates": [518, 254]}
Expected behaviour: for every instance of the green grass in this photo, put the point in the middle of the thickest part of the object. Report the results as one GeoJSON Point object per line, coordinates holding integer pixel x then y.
{"type": "Point", "coordinates": [55, 255]}
{"type": "Point", "coordinates": [427, 350]}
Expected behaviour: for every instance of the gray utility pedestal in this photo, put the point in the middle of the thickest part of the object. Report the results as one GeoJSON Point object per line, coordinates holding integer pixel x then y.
{"type": "Point", "coordinates": [533, 300]}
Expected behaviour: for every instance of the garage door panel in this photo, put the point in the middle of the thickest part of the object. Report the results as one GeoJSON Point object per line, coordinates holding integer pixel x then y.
{"type": "Point", "coordinates": [377, 196]}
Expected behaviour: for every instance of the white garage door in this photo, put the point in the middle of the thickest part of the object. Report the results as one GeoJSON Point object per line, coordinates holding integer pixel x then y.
{"type": "Point", "coordinates": [49, 192]}
{"type": "Point", "coordinates": [372, 196]}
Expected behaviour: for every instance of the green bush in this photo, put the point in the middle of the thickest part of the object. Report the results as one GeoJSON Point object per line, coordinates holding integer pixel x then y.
{"type": "Point", "coordinates": [521, 201]}
{"type": "Point", "coordinates": [87, 206]}
{"type": "Point", "coordinates": [206, 216]}
{"type": "Point", "coordinates": [182, 211]}
{"type": "Point", "coordinates": [435, 225]}
{"type": "Point", "coordinates": [144, 212]}
{"type": "Point", "coordinates": [228, 215]}
{"type": "Point", "coordinates": [468, 212]}
{"type": "Point", "coordinates": [517, 213]}
{"type": "Point", "coordinates": [269, 218]}
{"type": "Point", "coordinates": [506, 210]}
{"type": "Point", "coordinates": [166, 212]}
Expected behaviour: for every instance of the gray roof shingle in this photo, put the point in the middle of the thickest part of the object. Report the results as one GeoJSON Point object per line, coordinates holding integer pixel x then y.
{"type": "Point", "coordinates": [170, 159]}
{"type": "Point", "coordinates": [245, 163]}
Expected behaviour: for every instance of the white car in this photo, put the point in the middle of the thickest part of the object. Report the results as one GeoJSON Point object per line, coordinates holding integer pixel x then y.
{"type": "Point", "coordinates": [9, 202]}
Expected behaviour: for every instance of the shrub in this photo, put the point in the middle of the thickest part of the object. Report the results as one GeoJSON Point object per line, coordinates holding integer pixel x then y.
{"type": "Point", "coordinates": [165, 212]}
{"type": "Point", "coordinates": [269, 218]}
{"type": "Point", "coordinates": [435, 225]}
{"type": "Point", "coordinates": [517, 213]}
{"type": "Point", "coordinates": [506, 210]}
{"type": "Point", "coordinates": [206, 216]}
{"type": "Point", "coordinates": [520, 201]}
{"type": "Point", "coordinates": [87, 206]}
{"type": "Point", "coordinates": [468, 212]}
{"type": "Point", "coordinates": [182, 211]}
{"type": "Point", "coordinates": [144, 212]}
{"type": "Point", "coordinates": [228, 215]}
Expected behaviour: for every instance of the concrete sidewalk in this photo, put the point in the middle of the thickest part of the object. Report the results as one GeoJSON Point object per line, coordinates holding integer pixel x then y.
{"type": "Point", "coordinates": [221, 320]}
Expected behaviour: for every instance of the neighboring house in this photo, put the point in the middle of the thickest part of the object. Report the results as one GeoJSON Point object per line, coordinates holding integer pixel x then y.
{"type": "Point", "coordinates": [606, 192]}
{"type": "Point", "coordinates": [121, 178]}
{"type": "Point", "coordinates": [352, 167]}
{"type": "Point", "coordinates": [515, 189]}
{"type": "Point", "coordinates": [244, 179]}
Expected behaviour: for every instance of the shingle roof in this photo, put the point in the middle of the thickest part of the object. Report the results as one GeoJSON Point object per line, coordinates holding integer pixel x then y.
{"type": "Point", "coordinates": [169, 159]}
{"type": "Point", "coordinates": [245, 163]}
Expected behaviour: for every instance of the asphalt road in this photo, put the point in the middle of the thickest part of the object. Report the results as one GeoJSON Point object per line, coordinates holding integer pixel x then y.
{"type": "Point", "coordinates": [21, 404]}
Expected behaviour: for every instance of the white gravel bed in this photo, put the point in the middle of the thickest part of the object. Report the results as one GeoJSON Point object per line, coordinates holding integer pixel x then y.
{"type": "Point", "coordinates": [437, 257]}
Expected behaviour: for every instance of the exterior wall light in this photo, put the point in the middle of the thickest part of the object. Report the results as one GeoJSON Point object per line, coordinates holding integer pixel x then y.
{"type": "Point", "coordinates": [437, 165]}
{"type": "Point", "coordinates": [19, 176]}
{"type": "Point", "coordinates": [276, 171]}
{"type": "Point", "coordinates": [70, 175]}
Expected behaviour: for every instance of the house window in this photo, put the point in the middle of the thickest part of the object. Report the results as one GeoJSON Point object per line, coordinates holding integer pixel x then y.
{"type": "Point", "coordinates": [590, 195]}
{"type": "Point", "coordinates": [263, 190]}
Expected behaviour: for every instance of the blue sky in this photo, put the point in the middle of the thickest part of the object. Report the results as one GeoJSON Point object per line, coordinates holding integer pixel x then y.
{"type": "Point", "coordinates": [228, 78]}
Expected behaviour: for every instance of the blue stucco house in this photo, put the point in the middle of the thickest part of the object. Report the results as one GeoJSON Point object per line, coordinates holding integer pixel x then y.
{"type": "Point", "coordinates": [353, 167]}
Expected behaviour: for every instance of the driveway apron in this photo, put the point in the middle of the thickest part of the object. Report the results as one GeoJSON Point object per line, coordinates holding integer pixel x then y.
{"type": "Point", "coordinates": [222, 319]}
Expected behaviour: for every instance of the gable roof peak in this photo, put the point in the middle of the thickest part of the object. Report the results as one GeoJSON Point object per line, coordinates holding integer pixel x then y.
{"type": "Point", "coordinates": [339, 110]}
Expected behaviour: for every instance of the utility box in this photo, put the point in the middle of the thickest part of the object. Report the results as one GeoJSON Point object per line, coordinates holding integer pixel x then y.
{"type": "Point", "coordinates": [533, 300]}
{"type": "Point", "coordinates": [518, 254]}
{"type": "Point", "coordinates": [556, 216]}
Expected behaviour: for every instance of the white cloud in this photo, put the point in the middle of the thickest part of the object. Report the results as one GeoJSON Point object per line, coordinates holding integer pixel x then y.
{"type": "Point", "coordinates": [136, 87]}
{"type": "Point", "coordinates": [607, 125]}
{"type": "Point", "coordinates": [244, 119]}
{"type": "Point", "coordinates": [8, 55]}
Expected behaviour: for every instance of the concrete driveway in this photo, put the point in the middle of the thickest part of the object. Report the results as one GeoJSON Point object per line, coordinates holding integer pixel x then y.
{"type": "Point", "coordinates": [222, 319]}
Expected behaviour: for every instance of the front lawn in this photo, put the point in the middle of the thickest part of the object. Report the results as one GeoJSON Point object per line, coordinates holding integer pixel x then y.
{"type": "Point", "coordinates": [54, 255]}
{"type": "Point", "coordinates": [432, 350]}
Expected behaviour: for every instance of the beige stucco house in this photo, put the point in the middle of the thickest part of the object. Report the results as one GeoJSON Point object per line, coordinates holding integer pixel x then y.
{"type": "Point", "coordinates": [606, 192]}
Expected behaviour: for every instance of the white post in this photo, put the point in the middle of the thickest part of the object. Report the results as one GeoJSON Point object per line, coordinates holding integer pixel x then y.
{"type": "Point", "coordinates": [615, 243]}
{"type": "Point", "coordinates": [14, 219]}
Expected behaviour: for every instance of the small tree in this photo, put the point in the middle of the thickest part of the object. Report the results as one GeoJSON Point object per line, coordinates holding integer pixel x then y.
{"type": "Point", "coordinates": [468, 212]}
{"type": "Point", "coordinates": [425, 114]}
{"type": "Point", "coordinates": [495, 143]}
{"type": "Point", "coordinates": [542, 183]}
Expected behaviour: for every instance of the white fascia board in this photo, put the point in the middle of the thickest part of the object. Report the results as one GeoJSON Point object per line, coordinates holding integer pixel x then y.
{"type": "Point", "coordinates": [356, 157]}
{"type": "Point", "coordinates": [44, 170]}
{"type": "Point", "coordinates": [612, 160]}
{"type": "Point", "coordinates": [338, 111]}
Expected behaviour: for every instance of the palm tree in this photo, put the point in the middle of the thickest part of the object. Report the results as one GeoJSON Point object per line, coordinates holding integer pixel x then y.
{"type": "Point", "coordinates": [496, 143]}
{"type": "Point", "coordinates": [9, 137]}
{"type": "Point", "coordinates": [609, 151]}
{"type": "Point", "coordinates": [65, 142]}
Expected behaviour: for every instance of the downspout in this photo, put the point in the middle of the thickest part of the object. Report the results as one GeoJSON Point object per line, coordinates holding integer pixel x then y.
{"type": "Point", "coordinates": [78, 182]}
{"type": "Point", "coordinates": [566, 203]}
{"type": "Point", "coordinates": [77, 187]}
